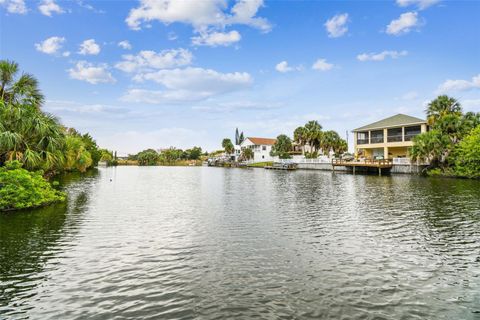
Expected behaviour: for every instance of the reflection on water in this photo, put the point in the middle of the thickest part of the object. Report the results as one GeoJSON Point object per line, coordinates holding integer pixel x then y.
{"type": "Point", "coordinates": [211, 243]}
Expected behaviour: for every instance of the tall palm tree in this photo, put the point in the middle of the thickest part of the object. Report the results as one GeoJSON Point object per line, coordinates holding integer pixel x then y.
{"type": "Point", "coordinates": [442, 106]}
{"type": "Point", "coordinates": [23, 89]}
{"type": "Point", "coordinates": [313, 131]}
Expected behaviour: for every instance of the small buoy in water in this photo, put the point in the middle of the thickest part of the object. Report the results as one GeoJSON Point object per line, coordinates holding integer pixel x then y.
{"type": "Point", "coordinates": [110, 180]}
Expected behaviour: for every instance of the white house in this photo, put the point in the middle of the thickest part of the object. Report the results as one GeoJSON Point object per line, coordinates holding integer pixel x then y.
{"type": "Point", "coordinates": [261, 148]}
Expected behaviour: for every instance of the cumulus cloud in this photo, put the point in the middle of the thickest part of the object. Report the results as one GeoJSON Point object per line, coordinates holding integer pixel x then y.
{"type": "Point", "coordinates": [89, 47]}
{"type": "Point", "coordinates": [50, 45]}
{"type": "Point", "coordinates": [91, 73]}
{"type": "Point", "coordinates": [125, 45]}
{"type": "Point", "coordinates": [14, 6]}
{"type": "Point", "coordinates": [459, 85]}
{"type": "Point", "coordinates": [148, 60]}
{"type": "Point", "coordinates": [381, 56]}
{"type": "Point", "coordinates": [404, 24]}
{"type": "Point", "coordinates": [214, 39]}
{"type": "Point", "coordinates": [189, 84]}
{"type": "Point", "coordinates": [199, 14]}
{"type": "Point", "coordinates": [209, 18]}
{"type": "Point", "coordinates": [322, 65]}
{"type": "Point", "coordinates": [47, 7]}
{"type": "Point", "coordinates": [337, 25]}
{"type": "Point", "coordinates": [283, 67]}
{"type": "Point", "coordinates": [421, 4]}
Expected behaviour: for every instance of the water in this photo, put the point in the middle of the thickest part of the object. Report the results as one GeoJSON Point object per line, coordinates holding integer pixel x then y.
{"type": "Point", "coordinates": [212, 243]}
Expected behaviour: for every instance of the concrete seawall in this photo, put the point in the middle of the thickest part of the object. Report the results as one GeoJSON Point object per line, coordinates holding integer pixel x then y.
{"type": "Point", "coordinates": [397, 169]}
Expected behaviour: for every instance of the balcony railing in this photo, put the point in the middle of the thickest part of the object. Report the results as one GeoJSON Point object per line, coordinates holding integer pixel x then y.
{"type": "Point", "coordinates": [396, 138]}
{"type": "Point", "coordinates": [362, 141]}
{"type": "Point", "coordinates": [410, 136]}
{"type": "Point", "coordinates": [376, 139]}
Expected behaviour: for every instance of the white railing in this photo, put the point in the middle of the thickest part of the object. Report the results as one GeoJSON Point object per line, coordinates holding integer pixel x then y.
{"type": "Point", "coordinates": [402, 161]}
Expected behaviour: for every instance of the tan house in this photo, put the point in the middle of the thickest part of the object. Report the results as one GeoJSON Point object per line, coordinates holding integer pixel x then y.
{"type": "Point", "coordinates": [388, 138]}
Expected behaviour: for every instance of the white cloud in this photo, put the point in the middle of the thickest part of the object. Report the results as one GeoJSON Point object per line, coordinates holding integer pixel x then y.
{"type": "Point", "coordinates": [381, 56]}
{"type": "Point", "coordinates": [14, 6]}
{"type": "Point", "coordinates": [471, 104]}
{"type": "Point", "coordinates": [337, 25]}
{"type": "Point", "coordinates": [89, 47]}
{"type": "Point", "coordinates": [322, 65]}
{"type": "Point", "coordinates": [91, 73]}
{"type": "Point", "coordinates": [421, 4]}
{"type": "Point", "coordinates": [66, 54]}
{"type": "Point", "coordinates": [200, 14]}
{"type": "Point", "coordinates": [50, 45]}
{"type": "Point", "coordinates": [283, 67]}
{"type": "Point", "coordinates": [403, 24]}
{"type": "Point", "coordinates": [214, 39]}
{"type": "Point", "coordinates": [189, 84]}
{"type": "Point", "coordinates": [459, 85]}
{"type": "Point", "coordinates": [125, 45]}
{"type": "Point", "coordinates": [47, 7]}
{"type": "Point", "coordinates": [147, 60]}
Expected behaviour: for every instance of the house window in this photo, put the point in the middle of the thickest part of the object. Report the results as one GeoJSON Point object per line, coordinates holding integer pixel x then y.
{"type": "Point", "coordinates": [411, 132]}
{"type": "Point", "coordinates": [376, 136]}
{"type": "Point", "coordinates": [264, 148]}
{"type": "Point", "coordinates": [362, 137]}
{"type": "Point", "coordinates": [394, 135]}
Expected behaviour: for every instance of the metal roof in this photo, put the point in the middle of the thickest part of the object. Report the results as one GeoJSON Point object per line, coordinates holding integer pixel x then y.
{"type": "Point", "coordinates": [394, 121]}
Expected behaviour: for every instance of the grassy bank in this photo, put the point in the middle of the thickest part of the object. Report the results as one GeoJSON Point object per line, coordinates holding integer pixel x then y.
{"type": "Point", "coordinates": [260, 164]}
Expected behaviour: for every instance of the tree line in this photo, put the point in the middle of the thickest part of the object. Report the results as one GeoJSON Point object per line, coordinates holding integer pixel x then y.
{"type": "Point", "coordinates": [171, 156]}
{"type": "Point", "coordinates": [451, 146]}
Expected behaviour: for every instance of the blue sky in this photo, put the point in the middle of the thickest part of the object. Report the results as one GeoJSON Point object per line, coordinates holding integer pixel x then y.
{"type": "Point", "coordinates": [140, 74]}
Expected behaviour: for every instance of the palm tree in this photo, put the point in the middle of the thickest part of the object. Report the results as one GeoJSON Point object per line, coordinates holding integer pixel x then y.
{"type": "Point", "coordinates": [34, 138]}
{"type": "Point", "coordinates": [21, 90]}
{"type": "Point", "coordinates": [300, 137]}
{"type": "Point", "coordinates": [442, 106]}
{"type": "Point", "coordinates": [228, 146]}
{"type": "Point", "coordinates": [313, 133]}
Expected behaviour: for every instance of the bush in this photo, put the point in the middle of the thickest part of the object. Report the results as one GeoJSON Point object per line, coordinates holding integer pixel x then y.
{"type": "Point", "coordinates": [20, 189]}
{"type": "Point", "coordinates": [467, 155]}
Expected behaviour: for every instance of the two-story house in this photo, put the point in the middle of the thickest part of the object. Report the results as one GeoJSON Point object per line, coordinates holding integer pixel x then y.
{"type": "Point", "coordinates": [388, 138]}
{"type": "Point", "coordinates": [261, 148]}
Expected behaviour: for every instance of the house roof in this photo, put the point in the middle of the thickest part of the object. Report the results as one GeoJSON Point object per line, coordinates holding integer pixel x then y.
{"type": "Point", "coordinates": [262, 141]}
{"type": "Point", "coordinates": [394, 121]}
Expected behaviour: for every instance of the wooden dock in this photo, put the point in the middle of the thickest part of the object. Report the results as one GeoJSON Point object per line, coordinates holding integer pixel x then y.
{"type": "Point", "coordinates": [367, 163]}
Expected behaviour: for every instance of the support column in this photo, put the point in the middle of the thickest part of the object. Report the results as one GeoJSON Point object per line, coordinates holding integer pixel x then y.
{"type": "Point", "coordinates": [403, 133]}
{"type": "Point", "coordinates": [379, 171]}
{"type": "Point", "coordinates": [385, 152]}
{"type": "Point", "coordinates": [353, 169]}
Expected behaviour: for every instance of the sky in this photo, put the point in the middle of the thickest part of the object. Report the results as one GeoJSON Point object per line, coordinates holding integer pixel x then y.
{"type": "Point", "coordinates": [160, 73]}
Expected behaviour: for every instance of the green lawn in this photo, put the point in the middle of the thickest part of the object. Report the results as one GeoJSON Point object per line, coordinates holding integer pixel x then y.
{"type": "Point", "coordinates": [261, 164]}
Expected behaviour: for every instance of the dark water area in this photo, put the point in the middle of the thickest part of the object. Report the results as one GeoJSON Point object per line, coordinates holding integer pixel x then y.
{"type": "Point", "coordinates": [213, 243]}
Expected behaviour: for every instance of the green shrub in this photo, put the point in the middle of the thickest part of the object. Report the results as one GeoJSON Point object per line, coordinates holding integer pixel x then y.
{"type": "Point", "coordinates": [20, 189]}
{"type": "Point", "coordinates": [467, 155]}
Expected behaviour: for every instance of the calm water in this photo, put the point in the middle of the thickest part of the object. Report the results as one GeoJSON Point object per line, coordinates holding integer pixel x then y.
{"type": "Point", "coordinates": [212, 243]}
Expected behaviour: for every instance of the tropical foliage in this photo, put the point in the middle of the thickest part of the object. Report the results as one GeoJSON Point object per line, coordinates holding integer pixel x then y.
{"type": "Point", "coordinates": [18, 89]}
{"type": "Point", "coordinates": [449, 145]}
{"type": "Point", "coordinates": [21, 189]}
{"type": "Point", "coordinates": [170, 156]}
{"type": "Point", "coordinates": [227, 145]}
{"type": "Point", "coordinates": [311, 135]}
{"type": "Point", "coordinates": [282, 147]}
